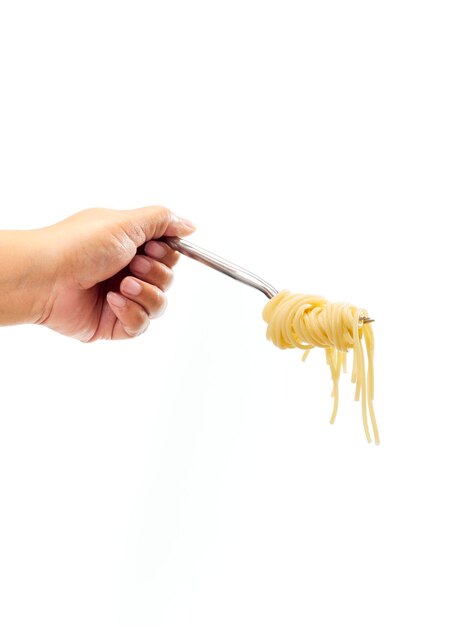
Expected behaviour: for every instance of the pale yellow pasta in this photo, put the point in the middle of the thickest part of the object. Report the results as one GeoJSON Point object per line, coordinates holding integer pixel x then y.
{"type": "Point", "coordinates": [305, 321]}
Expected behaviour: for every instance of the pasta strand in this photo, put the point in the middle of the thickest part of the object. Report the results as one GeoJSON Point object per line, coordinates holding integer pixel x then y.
{"type": "Point", "coordinates": [308, 321]}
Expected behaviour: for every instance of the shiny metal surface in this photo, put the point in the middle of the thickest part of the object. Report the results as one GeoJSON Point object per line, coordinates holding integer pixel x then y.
{"type": "Point", "coordinates": [222, 265]}
{"type": "Point", "coordinates": [226, 267]}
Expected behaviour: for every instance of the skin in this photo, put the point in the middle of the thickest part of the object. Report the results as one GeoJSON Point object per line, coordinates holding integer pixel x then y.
{"type": "Point", "coordinates": [96, 275]}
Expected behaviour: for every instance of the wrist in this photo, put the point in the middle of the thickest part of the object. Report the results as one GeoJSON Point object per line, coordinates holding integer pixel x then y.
{"type": "Point", "coordinates": [27, 276]}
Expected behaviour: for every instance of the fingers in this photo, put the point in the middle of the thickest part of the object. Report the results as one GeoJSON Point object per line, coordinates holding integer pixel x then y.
{"type": "Point", "coordinates": [152, 222]}
{"type": "Point", "coordinates": [153, 272]}
{"type": "Point", "coordinates": [161, 252]}
{"type": "Point", "coordinates": [134, 306]}
{"type": "Point", "coordinates": [149, 297]}
{"type": "Point", "coordinates": [131, 318]}
{"type": "Point", "coordinates": [178, 227]}
{"type": "Point", "coordinates": [142, 298]}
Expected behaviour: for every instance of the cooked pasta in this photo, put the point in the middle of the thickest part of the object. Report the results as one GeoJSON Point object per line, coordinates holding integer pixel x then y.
{"type": "Point", "coordinates": [307, 322]}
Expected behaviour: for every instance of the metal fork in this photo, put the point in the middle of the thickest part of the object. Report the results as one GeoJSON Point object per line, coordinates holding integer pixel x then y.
{"type": "Point", "coordinates": [226, 267]}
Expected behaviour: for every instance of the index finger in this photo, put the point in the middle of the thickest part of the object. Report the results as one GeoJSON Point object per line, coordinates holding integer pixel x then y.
{"type": "Point", "coordinates": [161, 252]}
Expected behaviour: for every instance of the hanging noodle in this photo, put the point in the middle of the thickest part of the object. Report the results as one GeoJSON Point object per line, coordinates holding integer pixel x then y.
{"type": "Point", "coordinates": [306, 322]}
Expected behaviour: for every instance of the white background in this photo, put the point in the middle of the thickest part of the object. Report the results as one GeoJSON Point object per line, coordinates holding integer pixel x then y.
{"type": "Point", "coordinates": [190, 476]}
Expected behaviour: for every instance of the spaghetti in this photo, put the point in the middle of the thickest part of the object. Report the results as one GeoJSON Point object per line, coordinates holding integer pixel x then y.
{"type": "Point", "coordinates": [307, 322]}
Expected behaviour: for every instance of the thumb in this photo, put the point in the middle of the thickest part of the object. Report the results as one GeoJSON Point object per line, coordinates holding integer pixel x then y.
{"type": "Point", "coordinates": [152, 222]}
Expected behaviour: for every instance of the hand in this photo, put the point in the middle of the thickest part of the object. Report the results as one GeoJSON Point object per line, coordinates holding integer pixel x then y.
{"type": "Point", "coordinates": [103, 277]}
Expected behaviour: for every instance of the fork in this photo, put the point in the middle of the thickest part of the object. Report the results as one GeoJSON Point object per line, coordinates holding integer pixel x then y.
{"type": "Point", "coordinates": [190, 249]}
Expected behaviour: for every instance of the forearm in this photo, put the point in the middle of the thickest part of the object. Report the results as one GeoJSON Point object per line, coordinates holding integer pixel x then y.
{"type": "Point", "coordinates": [26, 276]}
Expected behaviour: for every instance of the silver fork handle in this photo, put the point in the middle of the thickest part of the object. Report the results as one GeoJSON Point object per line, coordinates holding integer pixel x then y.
{"type": "Point", "coordinates": [221, 265]}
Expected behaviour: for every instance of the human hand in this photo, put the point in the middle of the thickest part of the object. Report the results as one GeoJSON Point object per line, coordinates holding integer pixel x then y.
{"type": "Point", "coordinates": [103, 277]}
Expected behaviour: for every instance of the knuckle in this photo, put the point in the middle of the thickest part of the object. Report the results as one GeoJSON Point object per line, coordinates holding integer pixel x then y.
{"type": "Point", "coordinates": [165, 276]}
{"type": "Point", "coordinates": [164, 214]}
{"type": "Point", "coordinates": [159, 304]}
{"type": "Point", "coordinates": [173, 258]}
{"type": "Point", "coordinates": [139, 324]}
{"type": "Point", "coordinates": [132, 332]}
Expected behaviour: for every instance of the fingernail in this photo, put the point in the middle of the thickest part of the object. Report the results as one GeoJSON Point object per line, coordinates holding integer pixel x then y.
{"type": "Point", "coordinates": [116, 299]}
{"type": "Point", "coordinates": [156, 250]}
{"type": "Point", "coordinates": [131, 286]}
{"type": "Point", "coordinates": [140, 265]}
